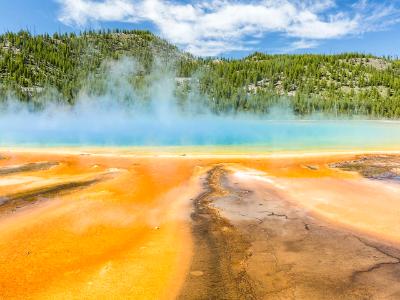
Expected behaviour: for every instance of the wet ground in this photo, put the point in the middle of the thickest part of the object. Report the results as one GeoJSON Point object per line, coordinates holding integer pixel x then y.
{"type": "Point", "coordinates": [193, 227]}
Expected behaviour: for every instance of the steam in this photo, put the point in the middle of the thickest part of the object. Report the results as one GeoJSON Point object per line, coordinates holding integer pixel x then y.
{"type": "Point", "coordinates": [120, 106]}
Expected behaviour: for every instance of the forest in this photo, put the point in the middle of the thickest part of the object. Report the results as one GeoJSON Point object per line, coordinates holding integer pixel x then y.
{"type": "Point", "coordinates": [36, 68]}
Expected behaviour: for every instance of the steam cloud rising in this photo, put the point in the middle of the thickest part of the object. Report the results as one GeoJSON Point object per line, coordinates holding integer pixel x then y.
{"type": "Point", "coordinates": [126, 116]}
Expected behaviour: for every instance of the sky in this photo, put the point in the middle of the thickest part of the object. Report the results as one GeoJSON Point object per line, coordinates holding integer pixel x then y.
{"type": "Point", "coordinates": [227, 28]}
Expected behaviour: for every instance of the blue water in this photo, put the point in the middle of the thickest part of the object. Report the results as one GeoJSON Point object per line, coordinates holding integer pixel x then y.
{"type": "Point", "coordinates": [198, 131]}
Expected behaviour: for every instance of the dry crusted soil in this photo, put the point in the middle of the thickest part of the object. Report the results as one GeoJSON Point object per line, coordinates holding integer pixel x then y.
{"type": "Point", "coordinates": [251, 244]}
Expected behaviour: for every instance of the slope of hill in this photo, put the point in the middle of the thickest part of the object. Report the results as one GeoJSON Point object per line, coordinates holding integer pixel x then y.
{"type": "Point", "coordinates": [343, 84]}
{"type": "Point", "coordinates": [30, 64]}
{"type": "Point", "coordinates": [350, 84]}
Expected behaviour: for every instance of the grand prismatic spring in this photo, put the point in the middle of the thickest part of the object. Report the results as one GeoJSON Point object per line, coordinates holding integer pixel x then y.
{"type": "Point", "coordinates": [200, 150]}
{"type": "Point", "coordinates": [258, 210]}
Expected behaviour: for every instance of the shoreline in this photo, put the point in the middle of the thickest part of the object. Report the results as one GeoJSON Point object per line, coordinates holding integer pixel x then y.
{"type": "Point", "coordinates": [188, 152]}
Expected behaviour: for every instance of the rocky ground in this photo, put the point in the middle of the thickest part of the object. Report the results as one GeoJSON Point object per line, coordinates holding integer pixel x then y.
{"type": "Point", "coordinates": [382, 167]}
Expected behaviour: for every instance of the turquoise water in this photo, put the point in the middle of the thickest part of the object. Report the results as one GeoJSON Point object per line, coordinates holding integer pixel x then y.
{"type": "Point", "coordinates": [198, 131]}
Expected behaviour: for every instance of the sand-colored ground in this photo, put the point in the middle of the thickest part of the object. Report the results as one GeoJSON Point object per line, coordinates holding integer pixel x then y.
{"type": "Point", "coordinates": [101, 224]}
{"type": "Point", "coordinates": [344, 198]}
{"type": "Point", "coordinates": [258, 245]}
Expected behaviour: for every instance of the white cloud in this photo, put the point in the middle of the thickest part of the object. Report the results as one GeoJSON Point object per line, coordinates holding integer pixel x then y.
{"type": "Point", "coordinates": [214, 27]}
{"type": "Point", "coordinates": [303, 44]}
{"type": "Point", "coordinates": [79, 12]}
{"type": "Point", "coordinates": [377, 15]}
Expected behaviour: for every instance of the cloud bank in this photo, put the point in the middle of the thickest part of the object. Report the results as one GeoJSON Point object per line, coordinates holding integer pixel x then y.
{"type": "Point", "coordinates": [209, 28]}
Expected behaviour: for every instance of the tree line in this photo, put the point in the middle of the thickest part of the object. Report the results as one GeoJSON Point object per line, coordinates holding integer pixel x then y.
{"type": "Point", "coordinates": [343, 84]}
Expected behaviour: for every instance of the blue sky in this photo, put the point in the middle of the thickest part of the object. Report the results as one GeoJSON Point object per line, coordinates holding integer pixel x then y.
{"type": "Point", "coordinates": [231, 28]}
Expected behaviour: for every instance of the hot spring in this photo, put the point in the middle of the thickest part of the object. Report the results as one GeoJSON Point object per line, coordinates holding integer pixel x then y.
{"type": "Point", "coordinates": [116, 128]}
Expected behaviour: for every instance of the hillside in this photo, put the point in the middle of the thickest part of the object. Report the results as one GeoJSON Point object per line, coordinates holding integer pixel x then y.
{"type": "Point", "coordinates": [350, 84]}
{"type": "Point", "coordinates": [344, 84]}
{"type": "Point", "coordinates": [30, 64]}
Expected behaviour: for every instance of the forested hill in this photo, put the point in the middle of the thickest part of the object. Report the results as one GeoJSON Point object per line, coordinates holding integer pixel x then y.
{"type": "Point", "coordinates": [30, 64]}
{"type": "Point", "coordinates": [344, 84]}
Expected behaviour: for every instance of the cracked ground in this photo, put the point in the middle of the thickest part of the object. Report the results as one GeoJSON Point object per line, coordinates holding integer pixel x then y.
{"type": "Point", "coordinates": [260, 246]}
